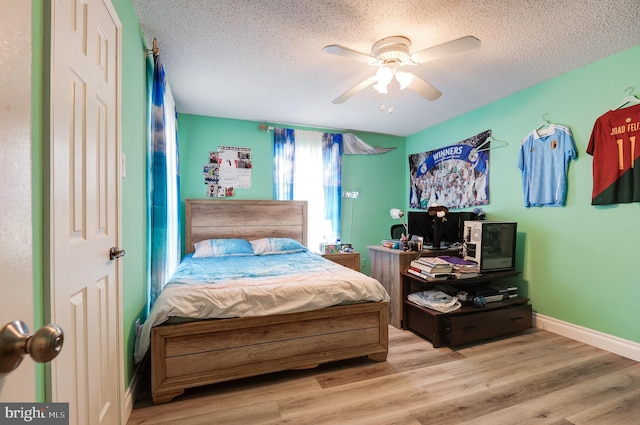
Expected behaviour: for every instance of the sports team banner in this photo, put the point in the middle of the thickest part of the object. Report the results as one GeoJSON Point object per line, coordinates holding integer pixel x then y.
{"type": "Point", "coordinates": [455, 176]}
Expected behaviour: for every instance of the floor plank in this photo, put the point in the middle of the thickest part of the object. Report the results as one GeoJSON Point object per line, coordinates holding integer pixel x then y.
{"type": "Point", "coordinates": [572, 401]}
{"type": "Point", "coordinates": [535, 377]}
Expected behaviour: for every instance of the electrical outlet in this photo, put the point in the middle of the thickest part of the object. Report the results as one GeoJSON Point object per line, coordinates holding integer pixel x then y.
{"type": "Point", "coordinates": [352, 194]}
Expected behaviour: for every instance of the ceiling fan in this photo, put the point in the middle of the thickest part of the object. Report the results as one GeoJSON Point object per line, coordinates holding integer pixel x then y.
{"type": "Point", "coordinates": [390, 54]}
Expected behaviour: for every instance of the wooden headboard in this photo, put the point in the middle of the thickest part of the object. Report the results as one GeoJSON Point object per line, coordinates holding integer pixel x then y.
{"type": "Point", "coordinates": [216, 219]}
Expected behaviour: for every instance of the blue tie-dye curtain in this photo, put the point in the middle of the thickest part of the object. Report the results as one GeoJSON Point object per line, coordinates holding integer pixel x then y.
{"type": "Point", "coordinates": [163, 181]}
{"type": "Point", "coordinates": [308, 166]}
{"type": "Point", "coordinates": [332, 177]}
{"type": "Point", "coordinates": [283, 165]}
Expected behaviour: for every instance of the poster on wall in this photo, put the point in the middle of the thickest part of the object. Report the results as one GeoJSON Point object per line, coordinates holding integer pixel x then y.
{"type": "Point", "coordinates": [229, 168]}
{"type": "Point", "coordinates": [455, 176]}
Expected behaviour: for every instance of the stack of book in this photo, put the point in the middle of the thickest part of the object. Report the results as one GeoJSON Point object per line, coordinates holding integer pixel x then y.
{"type": "Point", "coordinates": [431, 268]}
{"type": "Point", "coordinates": [462, 269]}
{"type": "Point", "coordinates": [391, 243]}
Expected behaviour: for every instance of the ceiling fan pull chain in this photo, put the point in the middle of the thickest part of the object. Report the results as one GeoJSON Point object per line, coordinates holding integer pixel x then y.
{"type": "Point", "coordinates": [389, 110]}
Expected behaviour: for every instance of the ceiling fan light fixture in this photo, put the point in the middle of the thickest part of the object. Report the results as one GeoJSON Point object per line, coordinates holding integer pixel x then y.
{"type": "Point", "coordinates": [383, 78]}
{"type": "Point", "coordinates": [381, 88]}
{"type": "Point", "coordinates": [396, 56]}
{"type": "Point", "coordinates": [404, 79]}
{"type": "Point", "coordinates": [394, 49]}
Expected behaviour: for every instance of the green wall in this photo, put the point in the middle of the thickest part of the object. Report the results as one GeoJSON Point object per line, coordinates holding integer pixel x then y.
{"type": "Point", "coordinates": [134, 219]}
{"type": "Point", "coordinates": [37, 31]}
{"type": "Point", "coordinates": [378, 178]}
{"type": "Point", "coordinates": [578, 260]}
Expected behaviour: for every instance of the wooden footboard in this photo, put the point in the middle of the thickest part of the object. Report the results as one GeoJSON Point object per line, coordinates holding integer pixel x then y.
{"type": "Point", "coordinates": [205, 352]}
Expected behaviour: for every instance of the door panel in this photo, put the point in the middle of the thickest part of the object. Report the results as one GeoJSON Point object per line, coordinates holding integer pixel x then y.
{"type": "Point", "coordinates": [84, 209]}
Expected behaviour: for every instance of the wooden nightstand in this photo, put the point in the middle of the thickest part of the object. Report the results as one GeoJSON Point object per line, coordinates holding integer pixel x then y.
{"type": "Point", "coordinates": [347, 259]}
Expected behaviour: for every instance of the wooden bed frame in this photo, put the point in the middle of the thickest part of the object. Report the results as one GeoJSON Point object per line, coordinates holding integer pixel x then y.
{"type": "Point", "coordinates": [204, 352]}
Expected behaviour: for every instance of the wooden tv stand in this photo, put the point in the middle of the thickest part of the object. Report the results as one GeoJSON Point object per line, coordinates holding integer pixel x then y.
{"type": "Point", "coordinates": [469, 323]}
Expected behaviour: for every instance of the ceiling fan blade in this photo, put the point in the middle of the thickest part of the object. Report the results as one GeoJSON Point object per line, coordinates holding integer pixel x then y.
{"type": "Point", "coordinates": [445, 49]}
{"type": "Point", "coordinates": [423, 88]}
{"type": "Point", "coordinates": [355, 89]}
{"type": "Point", "coordinates": [345, 52]}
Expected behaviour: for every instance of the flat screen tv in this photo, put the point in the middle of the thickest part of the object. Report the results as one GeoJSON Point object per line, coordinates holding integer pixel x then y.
{"type": "Point", "coordinates": [420, 223]}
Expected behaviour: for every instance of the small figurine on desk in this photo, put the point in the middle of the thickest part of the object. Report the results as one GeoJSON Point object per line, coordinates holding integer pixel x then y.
{"type": "Point", "coordinates": [404, 242]}
{"type": "Point", "coordinates": [438, 212]}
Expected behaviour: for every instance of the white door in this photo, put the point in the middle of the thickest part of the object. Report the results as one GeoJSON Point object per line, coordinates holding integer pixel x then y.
{"type": "Point", "coordinates": [84, 217]}
{"type": "Point", "coordinates": [16, 278]}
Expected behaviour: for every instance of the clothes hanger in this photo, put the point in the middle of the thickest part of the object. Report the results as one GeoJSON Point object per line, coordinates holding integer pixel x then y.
{"type": "Point", "coordinates": [629, 99]}
{"type": "Point", "coordinates": [546, 122]}
{"type": "Point", "coordinates": [546, 128]}
{"type": "Point", "coordinates": [489, 139]}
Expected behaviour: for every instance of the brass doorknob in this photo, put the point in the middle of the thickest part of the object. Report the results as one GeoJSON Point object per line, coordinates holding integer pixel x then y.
{"type": "Point", "coordinates": [114, 253]}
{"type": "Point", "coordinates": [15, 342]}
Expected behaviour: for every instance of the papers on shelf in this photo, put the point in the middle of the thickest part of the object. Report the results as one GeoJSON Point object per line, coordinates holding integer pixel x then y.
{"type": "Point", "coordinates": [462, 268]}
{"type": "Point", "coordinates": [435, 300]}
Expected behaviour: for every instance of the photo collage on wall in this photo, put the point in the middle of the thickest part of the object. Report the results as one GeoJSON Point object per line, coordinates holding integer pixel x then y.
{"type": "Point", "coordinates": [229, 168]}
{"type": "Point", "coordinates": [456, 176]}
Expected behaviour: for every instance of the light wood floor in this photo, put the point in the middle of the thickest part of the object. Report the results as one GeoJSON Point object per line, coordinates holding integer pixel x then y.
{"type": "Point", "coordinates": [531, 378]}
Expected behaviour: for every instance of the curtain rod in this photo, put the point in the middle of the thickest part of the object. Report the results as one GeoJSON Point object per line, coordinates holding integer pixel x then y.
{"type": "Point", "coordinates": [264, 127]}
{"type": "Point", "coordinates": [154, 49]}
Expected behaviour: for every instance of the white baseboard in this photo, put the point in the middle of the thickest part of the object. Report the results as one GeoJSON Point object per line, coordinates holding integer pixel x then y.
{"type": "Point", "coordinates": [131, 393]}
{"type": "Point", "coordinates": [613, 344]}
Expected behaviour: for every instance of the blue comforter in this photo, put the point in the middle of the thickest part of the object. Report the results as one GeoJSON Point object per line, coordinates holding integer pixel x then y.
{"type": "Point", "coordinates": [256, 285]}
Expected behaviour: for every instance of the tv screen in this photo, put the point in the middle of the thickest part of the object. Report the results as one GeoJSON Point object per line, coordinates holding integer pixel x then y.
{"type": "Point", "coordinates": [420, 223]}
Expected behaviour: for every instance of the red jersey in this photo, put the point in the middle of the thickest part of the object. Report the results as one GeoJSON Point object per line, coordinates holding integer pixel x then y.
{"type": "Point", "coordinates": [615, 147]}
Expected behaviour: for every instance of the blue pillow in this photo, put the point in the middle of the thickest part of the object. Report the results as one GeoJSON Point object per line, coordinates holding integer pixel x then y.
{"type": "Point", "coordinates": [267, 246]}
{"type": "Point", "coordinates": [222, 248]}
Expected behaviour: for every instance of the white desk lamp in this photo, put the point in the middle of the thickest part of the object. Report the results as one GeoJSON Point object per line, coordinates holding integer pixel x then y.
{"type": "Point", "coordinates": [397, 214]}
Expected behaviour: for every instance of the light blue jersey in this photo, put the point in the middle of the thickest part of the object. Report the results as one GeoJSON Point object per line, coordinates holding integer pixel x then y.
{"type": "Point", "coordinates": [544, 161]}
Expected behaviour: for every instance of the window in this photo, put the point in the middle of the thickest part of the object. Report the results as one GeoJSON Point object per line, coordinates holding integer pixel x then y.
{"type": "Point", "coordinates": [308, 166]}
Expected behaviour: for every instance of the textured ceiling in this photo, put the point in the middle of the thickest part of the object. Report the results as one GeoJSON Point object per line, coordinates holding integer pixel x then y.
{"type": "Point", "coordinates": [262, 60]}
